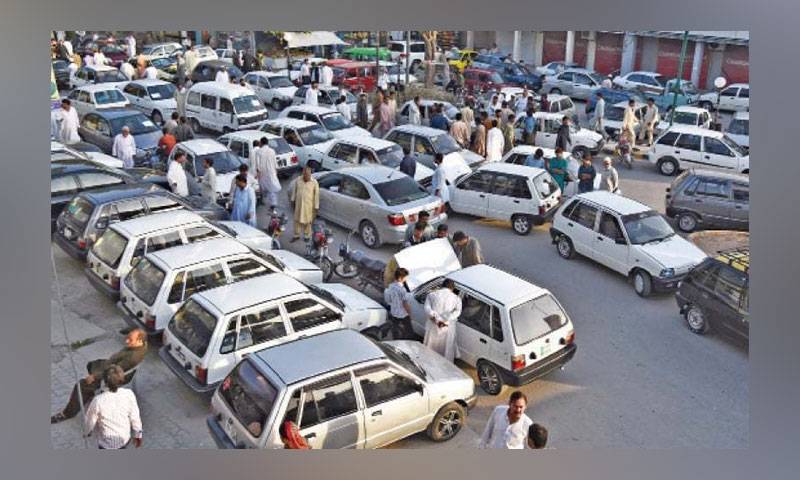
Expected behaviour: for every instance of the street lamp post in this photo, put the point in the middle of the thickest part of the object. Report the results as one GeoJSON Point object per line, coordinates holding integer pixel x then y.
{"type": "Point", "coordinates": [408, 53]}
{"type": "Point", "coordinates": [677, 83]}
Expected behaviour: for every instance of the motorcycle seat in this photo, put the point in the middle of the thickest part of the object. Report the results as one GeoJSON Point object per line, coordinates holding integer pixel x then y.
{"type": "Point", "coordinates": [366, 262]}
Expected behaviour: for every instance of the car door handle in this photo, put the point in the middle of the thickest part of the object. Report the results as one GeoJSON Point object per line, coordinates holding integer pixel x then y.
{"type": "Point", "coordinates": [482, 340]}
{"type": "Point", "coordinates": [678, 151]}
{"type": "Point", "coordinates": [697, 200]}
{"type": "Point", "coordinates": [482, 196]}
{"type": "Point", "coordinates": [600, 238]}
{"type": "Point", "coordinates": [737, 208]}
{"type": "Point", "coordinates": [377, 413]}
{"type": "Point", "coordinates": [310, 435]}
{"type": "Point", "coordinates": [707, 157]}
{"type": "Point", "coordinates": [516, 201]}
{"type": "Point", "coordinates": [570, 224]}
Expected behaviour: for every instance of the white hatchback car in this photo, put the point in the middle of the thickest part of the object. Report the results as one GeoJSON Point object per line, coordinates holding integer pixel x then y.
{"type": "Point", "coordinates": [647, 82]}
{"type": "Point", "coordinates": [97, 74]}
{"type": "Point", "coordinates": [547, 125]}
{"type": "Point", "coordinates": [356, 151]}
{"type": "Point", "coordinates": [308, 139]}
{"type": "Point", "coordinates": [241, 142]}
{"type": "Point", "coordinates": [683, 146]}
{"type": "Point", "coordinates": [520, 153]}
{"type": "Point", "coordinates": [685, 115]}
{"type": "Point", "coordinates": [735, 97]}
{"type": "Point", "coordinates": [739, 129]}
{"type": "Point", "coordinates": [216, 328]}
{"type": "Point", "coordinates": [273, 89]}
{"type": "Point", "coordinates": [627, 237]}
{"type": "Point", "coordinates": [154, 98]}
{"type": "Point", "coordinates": [525, 196]}
{"type": "Point", "coordinates": [328, 118]}
{"type": "Point", "coordinates": [91, 98]}
{"type": "Point", "coordinates": [512, 331]}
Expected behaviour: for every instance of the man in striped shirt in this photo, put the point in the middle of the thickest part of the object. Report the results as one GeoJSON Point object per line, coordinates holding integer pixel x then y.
{"type": "Point", "coordinates": [113, 414]}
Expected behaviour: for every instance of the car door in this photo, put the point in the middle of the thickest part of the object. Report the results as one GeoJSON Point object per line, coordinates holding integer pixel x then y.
{"type": "Point", "coordinates": [251, 330]}
{"type": "Point", "coordinates": [580, 227]}
{"type": "Point", "coordinates": [329, 186]}
{"type": "Point", "coordinates": [471, 195]}
{"type": "Point", "coordinates": [395, 404]}
{"type": "Point", "coordinates": [717, 154]}
{"type": "Point", "coordinates": [607, 248]}
{"type": "Point", "coordinates": [510, 194]}
{"type": "Point", "coordinates": [688, 150]}
{"type": "Point", "coordinates": [327, 413]}
{"type": "Point", "coordinates": [423, 151]}
{"type": "Point", "coordinates": [711, 198]}
{"type": "Point", "coordinates": [740, 211]}
{"type": "Point", "coordinates": [581, 86]}
{"type": "Point", "coordinates": [340, 155]}
{"type": "Point", "coordinates": [479, 333]}
{"type": "Point", "coordinates": [105, 137]}
{"type": "Point", "coordinates": [354, 203]}
{"type": "Point", "coordinates": [727, 98]}
{"type": "Point", "coordinates": [83, 103]}
{"type": "Point", "coordinates": [730, 290]}
{"type": "Point", "coordinates": [546, 131]}
{"type": "Point", "coordinates": [209, 116]}
{"type": "Point", "coordinates": [742, 102]}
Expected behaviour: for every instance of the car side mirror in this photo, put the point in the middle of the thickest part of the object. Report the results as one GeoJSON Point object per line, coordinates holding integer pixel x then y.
{"type": "Point", "coordinates": [420, 388]}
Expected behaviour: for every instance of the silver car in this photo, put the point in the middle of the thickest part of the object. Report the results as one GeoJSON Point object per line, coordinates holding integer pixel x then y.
{"type": "Point", "coordinates": [575, 83]}
{"type": "Point", "coordinates": [378, 201]}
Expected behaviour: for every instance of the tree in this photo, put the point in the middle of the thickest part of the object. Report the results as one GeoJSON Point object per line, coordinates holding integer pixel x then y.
{"type": "Point", "coordinates": [429, 37]}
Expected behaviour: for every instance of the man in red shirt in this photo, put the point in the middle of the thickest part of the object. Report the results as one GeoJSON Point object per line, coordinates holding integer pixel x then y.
{"type": "Point", "coordinates": [166, 144]}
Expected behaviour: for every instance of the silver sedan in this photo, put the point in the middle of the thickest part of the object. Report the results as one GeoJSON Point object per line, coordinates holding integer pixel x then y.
{"type": "Point", "coordinates": [580, 84]}
{"type": "Point", "coordinates": [378, 201]}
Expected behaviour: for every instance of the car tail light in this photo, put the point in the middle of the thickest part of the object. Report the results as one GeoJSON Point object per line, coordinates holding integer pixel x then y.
{"type": "Point", "coordinates": [294, 159]}
{"type": "Point", "coordinates": [201, 374]}
{"type": "Point", "coordinates": [149, 321]}
{"type": "Point", "coordinates": [82, 244]}
{"type": "Point", "coordinates": [397, 219]}
{"type": "Point", "coordinates": [517, 362]}
{"type": "Point", "coordinates": [402, 55]}
{"type": "Point", "coordinates": [115, 282]}
{"type": "Point", "coordinates": [569, 339]}
{"type": "Point", "coordinates": [542, 211]}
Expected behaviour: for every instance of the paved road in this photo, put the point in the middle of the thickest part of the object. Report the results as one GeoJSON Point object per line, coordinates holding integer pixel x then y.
{"type": "Point", "coordinates": [639, 378]}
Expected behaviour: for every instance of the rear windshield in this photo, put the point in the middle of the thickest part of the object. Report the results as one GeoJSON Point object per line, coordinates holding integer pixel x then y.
{"type": "Point", "coordinates": [536, 318]}
{"type": "Point", "coordinates": [104, 97]}
{"type": "Point", "coordinates": [110, 76]}
{"type": "Point", "coordinates": [145, 281]}
{"type": "Point", "coordinates": [110, 247]}
{"type": "Point", "coordinates": [162, 91]}
{"type": "Point", "coordinates": [279, 145]}
{"type": "Point", "coordinates": [615, 113]}
{"type": "Point", "coordinates": [739, 127]}
{"type": "Point", "coordinates": [545, 185]}
{"type": "Point", "coordinates": [391, 156]}
{"type": "Point", "coordinates": [79, 209]}
{"type": "Point", "coordinates": [314, 135]}
{"type": "Point", "coordinates": [685, 118]}
{"type": "Point", "coordinates": [250, 396]}
{"type": "Point", "coordinates": [400, 191]}
{"type": "Point", "coordinates": [192, 325]}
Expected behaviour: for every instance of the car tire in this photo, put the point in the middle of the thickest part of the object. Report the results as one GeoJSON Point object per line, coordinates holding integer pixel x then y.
{"type": "Point", "coordinates": [668, 166]}
{"type": "Point", "coordinates": [687, 222]}
{"type": "Point", "coordinates": [369, 234]}
{"type": "Point", "coordinates": [326, 265]}
{"type": "Point", "coordinates": [578, 152]}
{"type": "Point", "coordinates": [696, 320]}
{"type": "Point", "coordinates": [489, 377]}
{"type": "Point", "coordinates": [642, 283]}
{"type": "Point", "coordinates": [346, 269]}
{"type": "Point", "coordinates": [554, 91]}
{"type": "Point", "coordinates": [157, 118]}
{"type": "Point", "coordinates": [196, 127]}
{"type": "Point", "coordinates": [276, 105]}
{"type": "Point", "coordinates": [447, 422]}
{"type": "Point", "coordinates": [521, 224]}
{"type": "Point", "coordinates": [565, 248]}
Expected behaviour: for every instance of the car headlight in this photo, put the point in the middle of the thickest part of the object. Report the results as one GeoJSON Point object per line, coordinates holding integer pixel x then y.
{"type": "Point", "coordinates": [667, 273]}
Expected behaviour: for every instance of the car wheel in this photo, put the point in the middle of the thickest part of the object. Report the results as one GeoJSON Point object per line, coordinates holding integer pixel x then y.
{"type": "Point", "coordinates": [447, 422]}
{"type": "Point", "coordinates": [276, 105]}
{"type": "Point", "coordinates": [668, 166]}
{"type": "Point", "coordinates": [565, 248]}
{"type": "Point", "coordinates": [579, 152]}
{"type": "Point", "coordinates": [642, 283]}
{"type": "Point", "coordinates": [196, 125]}
{"type": "Point", "coordinates": [687, 222]}
{"type": "Point", "coordinates": [326, 265]}
{"type": "Point", "coordinates": [489, 377]}
{"type": "Point", "coordinates": [521, 224]}
{"type": "Point", "coordinates": [555, 91]}
{"type": "Point", "coordinates": [369, 234]}
{"type": "Point", "coordinates": [157, 118]}
{"type": "Point", "coordinates": [346, 269]}
{"type": "Point", "coordinates": [696, 320]}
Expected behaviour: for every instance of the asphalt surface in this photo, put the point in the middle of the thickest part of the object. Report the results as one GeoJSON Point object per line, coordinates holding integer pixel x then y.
{"type": "Point", "coordinates": [639, 378]}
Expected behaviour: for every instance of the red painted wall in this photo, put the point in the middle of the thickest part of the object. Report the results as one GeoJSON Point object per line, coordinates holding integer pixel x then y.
{"type": "Point", "coordinates": [608, 55]}
{"type": "Point", "coordinates": [555, 45]}
{"type": "Point", "coordinates": [669, 53]}
{"type": "Point", "coordinates": [736, 64]}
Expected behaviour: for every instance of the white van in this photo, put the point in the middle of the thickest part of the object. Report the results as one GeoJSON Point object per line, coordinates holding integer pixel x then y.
{"type": "Point", "coordinates": [159, 283]}
{"type": "Point", "coordinates": [223, 107]}
{"type": "Point", "coordinates": [216, 328]}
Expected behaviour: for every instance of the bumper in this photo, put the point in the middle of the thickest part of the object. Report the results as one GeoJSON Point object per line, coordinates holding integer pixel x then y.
{"type": "Point", "coordinates": [665, 285]}
{"type": "Point", "coordinates": [134, 321]}
{"type": "Point", "coordinates": [541, 368]}
{"type": "Point", "coordinates": [219, 436]}
{"type": "Point", "coordinates": [395, 235]}
{"type": "Point", "coordinates": [70, 248]}
{"type": "Point", "coordinates": [101, 285]}
{"type": "Point", "coordinates": [541, 219]}
{"type": "Point", "coordinates": [682, 301]}
{"type": "Point", "coordinates": [181, 373]}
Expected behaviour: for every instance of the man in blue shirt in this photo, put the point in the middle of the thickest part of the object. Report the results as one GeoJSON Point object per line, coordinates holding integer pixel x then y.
{"type": "Point", "coordinates": [529, 133]}
{"type": "Point", "coordinates": [535, 160]}
{"type": "Point", "coordinates": [438, 120]}
{"type": "Point", "coordinates": [586, 174]}
{"type": "Point", "coordinates": [409, 164]}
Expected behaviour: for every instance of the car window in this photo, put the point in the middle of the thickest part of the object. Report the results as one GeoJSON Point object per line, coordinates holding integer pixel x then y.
{"type": "Point", "coordinates": [204, 278]}
{"type": "Point", "coordinates": [127, 209]}
{"type": "Point", "coordinates": [566, 76]}
{"type": "Point", "coordinates": [381, 384]}
{"type": "Point", "coordinates": [353, 188]}
{"type": "Point", "coordinates": [89, 122]}
{"type": "Point", "coordinates": [225, 105]}
{"type": "Point", "coordinates": [273, 129]}
{"type": "Point", "coordinates": [244, 268]}
{"type": "Point", "coordinates": [744, 93]}
{"type": "Point", "coordinates": [477, 182]}
{"type": "Point", "coordinates": [84, 97]}
{"type": "Point", "coordinates": [63, 185]}
{"type": "Point", "coordinates": [584, 214]}
{"type": "Point", "coordinates": [689, 142]}
{"type": "Point", "coordinates": [96, 179]}
{"type": "Point", "coordinates": [609, 226]}
{"type": "Point", "coordinates": [259, 327]}
{"type": "Point", "coordinates": [345, 152]}
{"type": "Point", "coordinates": [327, 400]}
{"type": "Point", "coordinates": [193, 98]}
{"type": "Point", "coordinates": [545, 185]}
{"type": "Point", "coordinates": [308, 313]}
{"type": "Point", "coordinates": [331, 180]}
{"type": "Point", "coordinates": [176, 291]}
{"type": "Point", "coordinates": [668, 138]}
{"type": "Point", "coordinates": [250, 396]}
{"type": "Point", "coordinates": [729, 92]}
{"type": "Point", "coordinates": [710, 187]}
{"type": "Point", "coordinates": [716, 147]}
{"type": "Point", "coordinates": [730, 286]}
{"type": "Point", "coordinates": [481, 316]}
{"type": "Point", "coordinates": [402, 139]}
{"type": "Point", "coordinates": [202, 232]}
{"type": "Point", "coordinates": [423, 146]}
{"type": "Point", "coordinates": [208, 101]}
{"type": "Point", "coordinates": [366, 156]}
{"type": "Point", "coordinates": [647, 80]}
{"type": "Point", "coordinates": [295, 114]}
{"type": "Point", "coordinates": [160, 242]}
{"type": "Point", "coordinates": [536, 318]}
{"type": "Point", "coordinates": [511, 186]}
{"type": "Point", "coordinates": [741, 193]}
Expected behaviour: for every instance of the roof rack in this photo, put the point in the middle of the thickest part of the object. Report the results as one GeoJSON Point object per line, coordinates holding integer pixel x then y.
{"type": "Point", "coordinates": [738, 258]}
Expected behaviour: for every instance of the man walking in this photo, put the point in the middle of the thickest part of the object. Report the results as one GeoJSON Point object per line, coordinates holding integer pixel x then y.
{"type": "Point", "coordinates": [208, 184]}
{"type": "Point", "coordinates": [557, 167]}
{"type": "Point", "coordinates": [327, 75]}
{"type": "Point", "coordinates": [184, 131]}
{"type": "Point", "coordinates": [166, 143]}
{"type": "Point", "coordinates": [610, 176]}
{"type": "Point", "coordinates": [266, 167]}
{"type": "Point", "coordinates": [443, 307]}
{"type": "Point", "coordinates": [414, 116]}
{"type": "Point", "coordinates": [508, 133]}
{"type": "Point", "coordinates": [251, 157]}
{"type": "Point", "coordinates": [68, 130]}
{"type": "Point", "coordinates": [479, 142]}
{"type": "Point", "coordinates": [599, 114]}
{"type": "Point", "coordinates": [409, 164]}
{"type": "Point", "coordinates": [629, 123]}
{"type": "Point", "coordinates": [468, 250]}
{"type": "Point", "coordinates": [563, 137]}
{"type": "Point", "coordinates": [176, 175]}
{"type": "Point", "coordinates": [124, 147]}
{"type": "Point", "coordinates": [494, 143]}
{"type": "Point", "coordinates": [459, 131]}
{"type": "Point", "coordinates": [397, 298]}
{"type": "Point", "coordinates": [586, 174]}
{"type": "Point", "coordinates": [172, 124]}
{"type": "Point", "coordinates": [305, 72]}
{"type": "Point", "coordinates": [114, 414]}
{"type": "Point", "coordinates": [508, 426]}
{"type": "Point", "coordinates": [438, 120]}
{"type": "Point", "coordinates": [386, 117]}
{"type": "Point", "coordinates": [469, 116]}
{"type": "Point", "coordinates": [312, 95]}
{"type": "Point", "coordinates": [650, 120]}
{"type": "Point", "coordinates": [343, 108]}
{"type": "Point", "coordinates": [244, 202]}
{"type": "Point", "coordinates": [305, 197]}
{"type": "Point", "coordinates": [362, 112]}
{"type": "Point", "coordinates": [439, 180]}
{"type": "Point", "coordinates": [529, 128]}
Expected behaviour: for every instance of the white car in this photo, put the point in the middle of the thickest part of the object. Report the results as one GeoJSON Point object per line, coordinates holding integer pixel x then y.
{"type": "Point", "coordinates": [309, 140]}
{"type": "Point", "coordinates": [293, 73]}
{"type": "Point", "coordinates": [204, 52]}
{"type": "Point", "coordinates": [560, 104]}
{"type": "Point", "coordinates": [396, 73]}
{"type": "Point", "coordinates": [612, 120]}
{"type": "Point", "coordinates": [327, 97]}
{"type": "Point", "coordinates": [216, 328]}
{"type": "Point", "coordinates": [520, 153]}
{"type": "Point", "coordinates": [273, 89]}
{"type": "Point", "coordinates": [735, 97]}
{"type": "Point", "coordinates": [684, 146]}
{"type": "Point", "coordinates": [647, 82]}
{"type": "Point", "coordinates": [627, 237]}
{"type": "Point", "coordinates": [739, 129]}
{"type": "Point", "coordinates": [525, 196]}
{"type": "Point", "coordinates": [426, 111]}
{"type": "Point", "coordinates": [225, 55]}
{"type": "Point", "coordinates": [95, 74]}
{"type": "Point", "coordinates": [355, 151]}
{"type": "Point", "coordinates": [241, 142]}
{"type": "Point", "coordinates": [161, 50]}
{"type": "Point", "coordinates": [90, 98]}
{"type": "Point", "coordinates": [547, 125]}
{"type": "Point", "coordinates": [160, 282]}
{"type": "Point", "coordinates": [553, 68]}
{"type": "Point", "coordinates": [512, 331]}
{"type": "Point", "coordinates": [425, 142]}
{"type": "Point", "coordinates": [62, 153]}
{"type": "Point", "coordinates": [154, 98]}
{"type": "Point", "coordinates": [223, 107]}
{"type": "Point", "coordinates": [685, 115]}
{"type": "Point", "coordinates": [416, 53]}
{"type": "Point", "coordinates": [328, 118]}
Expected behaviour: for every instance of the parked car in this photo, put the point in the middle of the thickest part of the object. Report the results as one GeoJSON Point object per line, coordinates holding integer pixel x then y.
{"type": "Point", "coordinates": [223, 107]}
{"type": "Point", "coordinates": [465, 59]}
{"type": "Point", "coordinates": [327, 98]}
{"type": "Point", "coordinates": [735, 97]}
{"type": "Point", "coordinates": [481, 79]}
{"type": "Point", "coordinates": [60, 153]}
{"type": "Point", "coordinates": [355, 76]}
{"type": "Point", "coordinates": [613, 96]}
{"type": "Point", "coordinates": [225, 55]}
{"type": "Point", "coordinates": [554, 68]}
{"type": "Point", "coordinates": [615, 114]}
{"type": "Point", "coordinates": [272, 89]}
{"type": "Point", "coordinates": [293, 72]}
{"type": "Point", "coordinates": [204, 52]}
{"type": "Point", "coordinates": [577, 83]}
{"type": "Point", "coordinates": [377, 201]}
{"type": "Point", "coordinates": [154, 98]}
{"type": "Point", "coordinates": [561, 104]}
{"type": "Point", "coordinates": [426, 111]}
{"type": "Point", "coordinates": [547, 125]}
{"type": "Point", "coordinates": [416, 54]}
{"type": "Point", "coordinates": [91, 98]}
{"type": "Point", "coordinates": [425, 142]}
{"type": "Point", "coordinates": [683, 146]}
{"type": "Point", "coordinates": [161, 50]}
{"type": "Point", "coordinates": [645, 82]}
{"type": "Point", "coordinates": [62, 73]}
{"type": "Point", "coordinates": [329, 118]}
{"type": "Point", "coordinates": [102, 126]}
{"type": "Point", "coordinates": [739, 130]}
{"type": "Point", "coordinates": [420, 72]}
{"type": "Point", "coordinates": [680, 93]}
{"type": "Point", "coordinates": [352, 392]}
{"type": "Point", "coordinates": [396, 72]}
{"type": "Point", "coordinates": [216, 328]}
{"type": "Point", "coordinates": [514, 74]}
{"type": "Point", "coordinates": [241, 142]}
{"type": "Point", "coordinates": [355, 151]}
{"type": "Point", "coordinates": [91, 74]}
{"type": "Point", "coordinates": [114, 52]}
{"type": "Point", "coordinates": [309, 140]}
{"type": "Point", "coordinates": [685, 115]}
{"type": "Point", "coordinates": [512, 331]}
{"type": "Point", "coordinates": [520, 153]}
{"type": "Point", "coordinates": [716, 295]}
{"type": "Point", "coordinates": [206, 71]}
{"type": "Point", "coordinates": [709, 199]}
{"type": "Point", "coordinates": [366, 54]}
{"type": "Point", "coordinates": [88, 214]}
{"type": "Point", "coordinates": [525, 196]}
{"type": "Point", "coordinates": [162, 281]}
{"type": "Point", "coordinates": [625, 236]}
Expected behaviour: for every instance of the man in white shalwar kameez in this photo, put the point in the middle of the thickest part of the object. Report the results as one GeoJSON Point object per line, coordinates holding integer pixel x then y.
{"type": "Point", "coordinates": [68, 131]}
{"type": "Point", "coordinates": [439, 180]}
{"type": "Point", "coordinates": [443, 308]}
{"type": "Point", "coordinates": [312, 95]}
{"type": "Point", "coordinates": [267, 173]}
{"type": "Point", "coordinates": [326, 72]}
{"type": "Point", "coordinates": [494, 143]}
{"type": "Point", "coordinates": [222, 76]}
{"type": "Point", "coordinates": [124, 147]}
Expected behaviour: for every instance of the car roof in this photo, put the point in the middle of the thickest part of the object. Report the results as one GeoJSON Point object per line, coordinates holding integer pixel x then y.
{"type": "Point", "coordinates": [741, 116]}
{"type": "Point", "coordinates": [252, 291]}
{"type": "Point", "coordinates": [160, 44]}
{"type": "Point", "coordinates": [373, 174]}
{"type": "Point", "coordinates": [512, 169]}
{"type": "Point", "coordinates": [100, 68]}
{"type": "Point", "coordinates": [644, 72]}
{"type": "Point", "coordinates": [554, 97]}
{"type": "Point", "coordinates": [198, 252]}
{"type": "Point", "coordinates": [250, 135]}
{"type": "Point", "coordinates": [694, 130]}
{"type": "Point", "coordinates": [531, 149]}
{"type": "Point", "coordinates": [113, 113]}
{"type": "Point", "coordinates": [291, 122]}
{"type": "Point", "coordinates": [123, 192]}
{"type": "Point", "coordinates": [624, 104]}
{"type": "Point", "coordinates": [80, 165]}
{"type": "Point", "coordinates": [318, 354]}
{"type": "Point", "coordinates": [612, 201]}
{"type": "Point", "coordinates": [690, 109]}
{"type": "Point", "coordinates": [264, 73]}
{"type": "Point", "coordinates": [496, 284]}
{"type": "Point", "coordinates": [739, 177]}
{"type": "Point", "coordinates": [224, 89]}
{"type": "Point", "coordinates": [367, 142]}
{"type": "Point", "coordinates": [745, 85]}
{"type": "Point", "coordinates": [429, 101]}
{"type": "Point", "coordinates": [203, 146]}
{"type": "Point", "coordinates": [215, 62]}
{"type": "Point", "coordinates": [94, 87]}
{"type": "Point", "coordinates": [157, 221]}
{"type": "Point", "coordinates": [311, 109]}
{"type": "Point", "coordinates": [148, 82]}
{"type": "Point", "coordinates": [419, 130]}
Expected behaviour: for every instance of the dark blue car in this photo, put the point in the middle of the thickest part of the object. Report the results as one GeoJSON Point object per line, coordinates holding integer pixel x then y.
{"type": "Point", "coordinates": [514, 74]}
{"type": "Point", "coordinates": [612, 96]}
{"type": "Point", "coordinates": [100, 128]}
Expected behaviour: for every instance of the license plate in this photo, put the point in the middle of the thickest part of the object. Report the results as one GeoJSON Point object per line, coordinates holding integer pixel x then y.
{"type": "Point", "coordinates": [181, 355]}
{"type": "Point", "coordinates": [282, 163]}
{"type": "Point", "coordinates": [544, 350]}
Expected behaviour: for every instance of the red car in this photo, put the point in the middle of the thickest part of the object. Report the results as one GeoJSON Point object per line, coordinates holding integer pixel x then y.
{"type": "Point", "coordinates": [481, 79]}
{"type": "Point", "coordinates": [355, 75]}
{"type": "Point", "coordinates": [117, 54]}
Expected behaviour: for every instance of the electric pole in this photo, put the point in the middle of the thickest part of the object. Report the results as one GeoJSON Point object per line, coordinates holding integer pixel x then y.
{"type": "Point", "coordinates": [676, 85]}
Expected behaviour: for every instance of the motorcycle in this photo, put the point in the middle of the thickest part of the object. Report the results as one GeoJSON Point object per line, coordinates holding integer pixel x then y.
{"type": "Point", "coordinates": [355, 263]}
{"type": "Point", "coordinates": [317, 248]}
{"type": "Point", "coordinates": [275, 227]}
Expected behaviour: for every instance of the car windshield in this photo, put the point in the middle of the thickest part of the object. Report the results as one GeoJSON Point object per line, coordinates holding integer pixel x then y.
{"type": "Point", "coordinates": [162, 63]}
{"type": "Point", "coordinates": [233, 70]}
{"type": "Point", "coordinates": [314, 135]}
{"type": "Point", "coordinates": [685, 118]}
{"type": "Point", "coordinates": [391, 156]}
{"type": "Point", "coordinates": [402, 359]}
{"type": "Point", "coordinates": [327, 296]}
{"type": "Point", "coordinates": [110, 247]}
{"type": "Point", "coordinates": [145, 280]}
{"type": "Point", "coordinates": [224, 162]}
{"type": "Point", "coordinates": [137, 123]}
{"type": "Point", "coordinates": [193, 326]}
{"type": "Point", "coordinates": [105, 97]}
{"type": "Point", "coordinates": [397, 47]}
{"type": "Point", "coordinates": [646, 227]}
{"type": "Point", "coordinates": [280, 82]}
{"type": "Point", "coordinates": [161, 91]}
{"type": "Point", "coordinates": [335, 121]}
{"type": "Point", "coordinates": [110, 76]}
{"type": "Point", "coordinates": [536, 318]}
{"type": "Point", "coordinates": [247, 104]}
{"type": "Point", "coordinates": [334, 94]}
{"type": "Point", "coordinates": [79, 209]}
{"type": "Point", "coordinates": [739, 127]}
{"type": "Point", "coordinates": [733, 145]}
{"type": "Point", "coordinates": [148, 50]}
{"type": "Point", "coordinates": [444, 144]}
{"type": "Point", "coordinates": [660, 79]}
{"type": "Point", "coordinates": [689, 88]}
{"type": "Point", "coordinates": [112, 49]}
{"type": "Point", "coordinates": [399, 191]}
{"type": "Point", "coordinates": [615, 113]}
{"type": "Point", "coordinates": [250, 396]}
{"type": "Point", "coordinates": [597, 78]}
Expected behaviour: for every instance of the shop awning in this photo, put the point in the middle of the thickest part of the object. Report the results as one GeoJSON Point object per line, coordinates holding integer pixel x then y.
{"type": "Point", "coordinates": [311, 39]}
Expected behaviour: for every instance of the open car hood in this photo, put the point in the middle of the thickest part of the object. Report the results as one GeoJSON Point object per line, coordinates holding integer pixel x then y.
{"type": "Point", "coordinates": [426, 261]}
